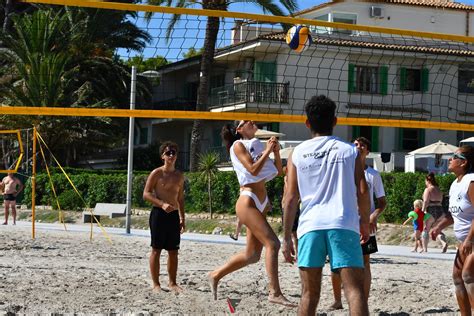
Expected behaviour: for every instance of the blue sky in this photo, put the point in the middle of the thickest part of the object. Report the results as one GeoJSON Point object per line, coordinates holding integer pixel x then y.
{"type": "Point", "coordinates": [189, 32]}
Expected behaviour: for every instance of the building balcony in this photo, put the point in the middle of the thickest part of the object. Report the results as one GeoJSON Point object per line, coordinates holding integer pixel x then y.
{"type": "Point", "coordinates": [250, 96]}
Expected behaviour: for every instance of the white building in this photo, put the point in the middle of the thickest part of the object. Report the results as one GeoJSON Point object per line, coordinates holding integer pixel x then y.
{"type": "Point", "coordinates": [368, 75]}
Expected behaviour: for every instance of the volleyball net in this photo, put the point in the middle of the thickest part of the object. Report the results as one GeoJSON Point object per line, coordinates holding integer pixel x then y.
{"type": "Point", "coordinates": [377, 76]}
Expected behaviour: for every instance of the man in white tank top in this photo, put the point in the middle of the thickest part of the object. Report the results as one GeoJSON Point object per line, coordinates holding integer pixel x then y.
{"type": "Point", "coordinates": [327, 175]}
{"type": "Point", "coordinates": [376, 191]}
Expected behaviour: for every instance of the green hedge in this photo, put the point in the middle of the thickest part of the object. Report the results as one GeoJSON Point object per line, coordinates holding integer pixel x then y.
{"type": "Point", "coordinates": [94, 188]}
{"type": "Point", "coordinates": [401, 189]}
{"type": "Point", "coordinates": [110, 187]}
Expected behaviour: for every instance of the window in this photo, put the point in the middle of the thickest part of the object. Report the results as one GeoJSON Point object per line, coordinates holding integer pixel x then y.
{"type": "Point", "coordinates": [411, 138]}
{"type": "Point", "coordinates": [347, 18]}
{"type": "Point", "coordinates": [466, 81]}
{"type": "Point", "coordinates": [265, 71]}
{"type": "Point", "coordinates": [369, 132]}
{"type": "Point", "coordinates": [321, 29]}
{"type": "Point", "coordinates": [412, 79]}
{"type": "Point", "coordinates": [368, 79]}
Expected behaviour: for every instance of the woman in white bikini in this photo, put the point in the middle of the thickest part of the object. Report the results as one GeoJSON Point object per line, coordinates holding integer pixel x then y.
{"type": "Point", "coordinates": [253, 168]}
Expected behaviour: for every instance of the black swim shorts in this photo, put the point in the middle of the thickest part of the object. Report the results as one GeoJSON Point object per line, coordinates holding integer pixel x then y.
{"type": "Point", "coordinates": [165, 229]}
{"type": "Point", "coordinates": [370, 246]}
{"type": "Point", "coordinates": [436, 211]}
{"type": "Point", "coordinates": [9, 197]}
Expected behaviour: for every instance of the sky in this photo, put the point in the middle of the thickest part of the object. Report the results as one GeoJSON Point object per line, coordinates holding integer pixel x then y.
{"type": "Point", "coordinates": [190, 32]}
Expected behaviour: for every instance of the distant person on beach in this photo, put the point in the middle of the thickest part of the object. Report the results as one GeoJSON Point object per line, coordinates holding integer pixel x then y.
{"type": "Point", "coordinates": [377, 206]}
{"type": "Point", "coordinates": [432, 204]}
{"type": "Point", "coordinates": [461, 213]}
{"type": "Point", "coordinates": [11, 187]}
{"type": "Point", "coordinates": [165, 190]}
{"type": "Point", "coordinates": [250, 159]}
{"type": "Point", "coordinates": [417, 216]}
{"type": "Point", "coordinates": [327, 175]}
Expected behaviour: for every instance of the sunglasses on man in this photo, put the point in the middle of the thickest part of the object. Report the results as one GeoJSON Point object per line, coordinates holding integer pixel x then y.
{"type": "Point", "coordinates": [170, 153]}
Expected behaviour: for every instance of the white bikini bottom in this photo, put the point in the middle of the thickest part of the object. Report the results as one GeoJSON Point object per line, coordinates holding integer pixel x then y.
{"type": "Point", "coordinates": [260, 206]}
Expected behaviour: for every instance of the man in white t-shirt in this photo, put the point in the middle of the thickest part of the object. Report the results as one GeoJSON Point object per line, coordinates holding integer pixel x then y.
{"type": "Point", "coordinates": [327, 175]}
{"type": "Point", "coordinates": [376, 191]}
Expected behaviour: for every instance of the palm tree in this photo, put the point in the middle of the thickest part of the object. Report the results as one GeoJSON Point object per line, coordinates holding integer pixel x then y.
{"type": "Point", "coordinates": [207, 57]}
{"type": "Point", "coordinates": [208, 167]}
{"type": "Point", "coordinates": [46, 65]}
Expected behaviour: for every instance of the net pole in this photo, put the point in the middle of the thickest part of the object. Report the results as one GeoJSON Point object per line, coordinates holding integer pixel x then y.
{"type": "Point", "coordinates": [133, 88]}
{"type": "Point", "coordinates": [33, 186]}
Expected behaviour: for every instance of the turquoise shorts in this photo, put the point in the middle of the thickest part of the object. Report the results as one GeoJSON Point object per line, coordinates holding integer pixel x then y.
{"type": "Point", "coordinates": [341, 245]}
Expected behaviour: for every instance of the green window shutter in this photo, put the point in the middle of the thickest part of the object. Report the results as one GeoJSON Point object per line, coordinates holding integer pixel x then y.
{"type": "Point", "coordinates": [355, 132]}
{"type": "Point", "coordinates": [424, 79]}
{"type": "Point", "coordinates": [421, 142]}
{"type": "Point", "coordinates": [264, 71]}
{"type": "Point", "coordinates": [351, 79]}
{"type": "Point", "coordinates": [403, 78]}
{"type": "Point", "coordinates": [383, 80]}
{"type": "Point", "coordinates": [400, 138]}
{"type": "Point", "coordinates": [375, 139]}
{"type": "Point", "coordinates": [275, 127]}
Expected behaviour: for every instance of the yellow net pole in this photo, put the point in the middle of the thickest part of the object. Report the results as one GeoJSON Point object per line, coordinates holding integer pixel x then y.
{"type": "Point", "coordinates": [33, 186]}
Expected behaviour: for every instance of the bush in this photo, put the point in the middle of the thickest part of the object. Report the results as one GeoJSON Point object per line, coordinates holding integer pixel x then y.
{"type": "Point", "coordinates": [110, 187]}
{"type": "Point", "coordinates": [402, 189]}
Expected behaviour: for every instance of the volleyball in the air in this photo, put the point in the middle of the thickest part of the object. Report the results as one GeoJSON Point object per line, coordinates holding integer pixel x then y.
{"type": "Point", "coordinates": [298, 38]}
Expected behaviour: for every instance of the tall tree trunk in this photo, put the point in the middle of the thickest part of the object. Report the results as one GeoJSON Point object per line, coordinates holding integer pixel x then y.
{"type": "Point", "coordinates": [207, 58]}
{"type": "Point", "coordinates": [8, 10]}
{"type": "Point", "coordinates": [209, 192]}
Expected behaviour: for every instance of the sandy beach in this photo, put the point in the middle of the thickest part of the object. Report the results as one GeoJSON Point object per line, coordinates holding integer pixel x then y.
{"type": "Point", "coordinates": [63, 272]}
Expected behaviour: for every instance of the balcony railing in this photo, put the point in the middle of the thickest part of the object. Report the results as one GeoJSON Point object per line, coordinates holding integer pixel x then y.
{"type": "Point", "coordinates": [250, 92]}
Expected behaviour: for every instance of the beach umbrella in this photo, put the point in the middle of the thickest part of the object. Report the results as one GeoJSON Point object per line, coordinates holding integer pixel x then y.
{"type": "Point", "coordinates": [467, 140]}
{"type": "Point", "coordinates": [438, 148]}
{"type": "Point", "coordinates": [262, 133]}
{"type": "Point", "coordinates": [284, 153]}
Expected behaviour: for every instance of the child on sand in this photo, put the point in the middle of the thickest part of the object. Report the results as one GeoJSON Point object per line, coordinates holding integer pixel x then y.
{"type": "Point", "coordinates": [418, 217]}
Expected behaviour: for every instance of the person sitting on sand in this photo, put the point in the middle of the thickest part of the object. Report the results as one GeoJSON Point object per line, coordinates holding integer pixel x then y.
{"type": "Point", "coordinates": [164, 188]}
{"type": "Point", "coordinates": [253, 167]}
{"type": "Point", "coordinates": [418, 217]}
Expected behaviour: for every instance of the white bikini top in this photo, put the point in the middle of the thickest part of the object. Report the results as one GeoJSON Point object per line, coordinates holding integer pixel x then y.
{"type": "Point", "coordinates": [255, 149]}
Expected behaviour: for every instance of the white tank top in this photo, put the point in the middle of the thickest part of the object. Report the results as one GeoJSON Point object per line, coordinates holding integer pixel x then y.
{"type": "Point", "coordinates": [459, 206]}
{"type": "Point", "coordinates": [255, 149]}
{"type": "Point", "coordinates": [325, 168]}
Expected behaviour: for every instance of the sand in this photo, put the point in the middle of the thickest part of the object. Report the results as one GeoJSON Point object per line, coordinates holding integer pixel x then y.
{"type": "Point", "coordinates": [63, 272]}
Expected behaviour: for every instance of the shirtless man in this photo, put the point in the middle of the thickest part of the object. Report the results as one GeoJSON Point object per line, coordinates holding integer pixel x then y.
{"type": "Point", "coordinates": [11, 186]}
{"type": "Point", "coordinates": [165, 190]}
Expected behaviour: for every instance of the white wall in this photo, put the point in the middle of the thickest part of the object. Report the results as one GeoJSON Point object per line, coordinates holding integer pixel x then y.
{"type": "Point", "coordinates": [409, 17]}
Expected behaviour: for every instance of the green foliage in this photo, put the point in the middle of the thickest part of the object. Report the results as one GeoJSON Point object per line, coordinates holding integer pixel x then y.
{"type": "Point", "coordinates": [402, 189]}
{"type": "Point", "coordinates": [69, 200]}
{"type": "Point", "coordinates": [144, 64]}
{"type": "Point", "coordinates": [110, 187]}
{"type": "Point", "coordinates": [94, 188]}
{"type": "Point", "coordinates": [193, 52]}
{"type": "Point", "coordinates": [64, 58]}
